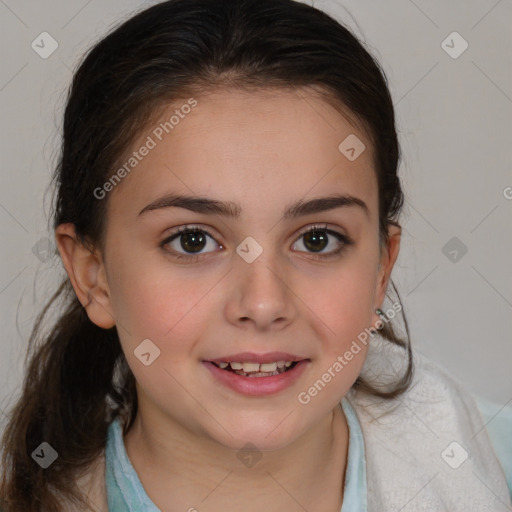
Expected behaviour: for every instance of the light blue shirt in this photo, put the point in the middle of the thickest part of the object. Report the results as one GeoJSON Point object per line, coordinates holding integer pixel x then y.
{"type": "Point", "coordinates": [126, 494]}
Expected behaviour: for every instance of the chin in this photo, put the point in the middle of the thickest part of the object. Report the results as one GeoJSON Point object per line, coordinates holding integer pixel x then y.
{"type": "Point", "coordinates": [266, 433]}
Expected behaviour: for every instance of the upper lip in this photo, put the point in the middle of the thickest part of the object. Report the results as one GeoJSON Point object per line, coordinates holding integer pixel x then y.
{"type": "Point", "coordinates": [252, 357]}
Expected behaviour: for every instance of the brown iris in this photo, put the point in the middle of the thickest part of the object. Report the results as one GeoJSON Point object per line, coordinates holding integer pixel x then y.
{"type": "Point", "coordinates": [193, 241]}
{"type": "Point", "coordinates": [315, 238]}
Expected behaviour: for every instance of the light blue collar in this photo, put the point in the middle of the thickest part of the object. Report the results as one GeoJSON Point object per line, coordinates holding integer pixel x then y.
{"type": "Point", "coordinates": [126, 494]}
{"type": "Point", "coordinates": [355, 491]}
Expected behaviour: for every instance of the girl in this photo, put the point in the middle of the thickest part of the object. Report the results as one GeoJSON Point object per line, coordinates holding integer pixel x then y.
{"type": "Point", "coordinates": [227, 214]}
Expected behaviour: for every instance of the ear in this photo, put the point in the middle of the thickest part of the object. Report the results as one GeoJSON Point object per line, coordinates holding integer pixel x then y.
{"type": "Point", "coordinates": [86, 272]}
{"type": "Point", "coordinates": [389, 254]}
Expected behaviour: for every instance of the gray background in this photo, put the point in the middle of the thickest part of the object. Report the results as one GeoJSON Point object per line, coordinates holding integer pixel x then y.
{"type": "Point", "coordinates": [454, 119]}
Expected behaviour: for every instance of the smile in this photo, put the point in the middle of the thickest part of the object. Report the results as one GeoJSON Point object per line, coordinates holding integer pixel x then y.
{"type": "Point", "coordinates": [248, 369]}
{"type": "Point", "coordinates": [261, 375]}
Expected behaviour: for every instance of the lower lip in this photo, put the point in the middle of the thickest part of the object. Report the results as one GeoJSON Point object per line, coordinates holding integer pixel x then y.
{"type": "Point", "coordinates": [257, 386]}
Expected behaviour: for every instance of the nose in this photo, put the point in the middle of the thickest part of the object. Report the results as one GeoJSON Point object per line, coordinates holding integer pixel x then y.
{"type": "Point", "coordinates": [261, 294]}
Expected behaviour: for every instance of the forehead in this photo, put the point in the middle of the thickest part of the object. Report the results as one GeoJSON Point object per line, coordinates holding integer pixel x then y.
{"type": "Point", "coordinates": [261, 149]}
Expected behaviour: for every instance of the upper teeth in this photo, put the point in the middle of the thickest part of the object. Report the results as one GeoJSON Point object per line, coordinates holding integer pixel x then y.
{"type": "Point", "coordinates": [257, 367]}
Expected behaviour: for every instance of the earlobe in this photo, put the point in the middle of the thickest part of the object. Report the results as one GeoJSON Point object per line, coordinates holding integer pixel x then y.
{"type": "Point", "coordinates": [86, 271]}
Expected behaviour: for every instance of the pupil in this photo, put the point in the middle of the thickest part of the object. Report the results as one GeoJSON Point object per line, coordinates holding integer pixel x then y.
{"type": "Point", "coordinates": [193, 241]}
{"type": "Point", "coordinates": [315, 237]}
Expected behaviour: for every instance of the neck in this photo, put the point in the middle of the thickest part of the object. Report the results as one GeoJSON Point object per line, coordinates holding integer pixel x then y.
{"type": "Point", "coordinates": [184, 471]}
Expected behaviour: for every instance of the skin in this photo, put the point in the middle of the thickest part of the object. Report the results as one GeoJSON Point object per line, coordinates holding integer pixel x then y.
{"type": "Point", "coordinates": [263, 150]}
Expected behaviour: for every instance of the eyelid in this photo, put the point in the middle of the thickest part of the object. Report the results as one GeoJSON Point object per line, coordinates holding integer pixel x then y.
{"type": "Point", "coordinates": [190, 227]}
{"type": "Point", "coordinates": [314, 227]}
{"type": "Point", "coordinates": [325, 227]}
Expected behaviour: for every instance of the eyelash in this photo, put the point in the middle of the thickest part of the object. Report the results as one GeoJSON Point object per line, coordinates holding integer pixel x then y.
{"type": "Point", "coordinates": [344, 239]}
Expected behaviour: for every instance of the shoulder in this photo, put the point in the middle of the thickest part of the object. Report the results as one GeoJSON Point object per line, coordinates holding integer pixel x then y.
{"type": "Point", "coordinates": [498, 422]}
{"type": "Point", "coordinates": [493, 418]}
{"type": "Point", "coordinates": [435, 422]}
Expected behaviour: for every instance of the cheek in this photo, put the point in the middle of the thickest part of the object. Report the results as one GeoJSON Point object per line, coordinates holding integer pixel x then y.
{"type": "Point", "coordinates": [166, 311]}
{"type": "Point", "coordinates": [151, 301]}
{"type": "Point", "coordinates": [352, 299]}
{"type": "Point", "coordinates": [344, 307]}
{"type": "Point", "coordinates": [346, 299]}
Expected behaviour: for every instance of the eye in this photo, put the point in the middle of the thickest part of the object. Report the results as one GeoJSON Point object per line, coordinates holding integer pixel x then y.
{"type": "Point", "coordinates": [189, 242]}
{"type": "Point", "coordinates": [191, 239]}
{"type": "Point", "coordinates": [318, 237]}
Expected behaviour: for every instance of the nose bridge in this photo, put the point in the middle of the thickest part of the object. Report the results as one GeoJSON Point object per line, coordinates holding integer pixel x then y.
{"type": "Point", "coordinates": [262, 293]}
{"type": "Point", "coordinates": [259, 267]}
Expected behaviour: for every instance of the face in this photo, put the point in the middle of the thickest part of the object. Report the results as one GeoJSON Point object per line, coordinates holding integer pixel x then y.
{"type": "Point", "coordinates": [250, 285]}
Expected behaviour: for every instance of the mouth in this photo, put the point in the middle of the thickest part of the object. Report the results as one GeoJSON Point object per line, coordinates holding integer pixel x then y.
{"type": "Point", "coordinates": [258, 374]}
{"type": "Point", "coordinates": [254, 369]}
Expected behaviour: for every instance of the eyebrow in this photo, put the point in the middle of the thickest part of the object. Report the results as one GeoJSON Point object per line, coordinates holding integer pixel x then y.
{"type": "Point", "coordinates": [209, 206]}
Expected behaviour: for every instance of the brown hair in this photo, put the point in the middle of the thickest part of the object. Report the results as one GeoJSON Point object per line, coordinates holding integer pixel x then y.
{"type": "Point", "coordinates": [77, 379]}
